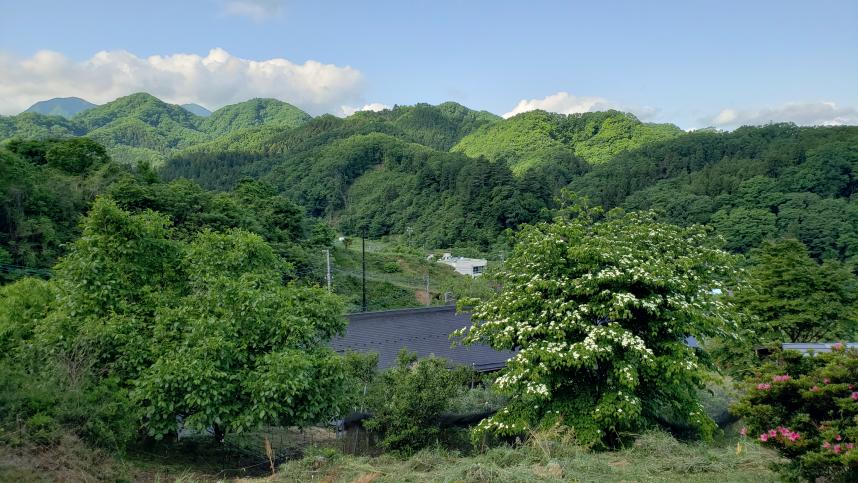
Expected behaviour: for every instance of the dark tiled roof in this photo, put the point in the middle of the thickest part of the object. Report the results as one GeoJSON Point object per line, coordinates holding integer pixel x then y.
{"type": "Point", "coordinates": [423, 330]}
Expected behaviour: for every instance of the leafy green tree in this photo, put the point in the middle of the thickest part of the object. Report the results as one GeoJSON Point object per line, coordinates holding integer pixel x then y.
{"type": "Point", "coordinates": [76, 155]}
{"type": "Point", "coordinates": [204, 329]}
{"type": "Point", "coordinates": [598, 311]}
{"type": "Point", "coordinates": [407, 401]}
{"type": "Point", "coordinates": [793, 298]}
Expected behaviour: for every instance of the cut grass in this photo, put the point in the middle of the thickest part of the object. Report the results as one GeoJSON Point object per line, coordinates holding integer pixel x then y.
{"type": "Point", "coordinates": [653, 457]}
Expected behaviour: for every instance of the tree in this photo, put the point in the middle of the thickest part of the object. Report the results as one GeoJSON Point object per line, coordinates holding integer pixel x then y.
{"type": "Point", "coordinates": [408, 400]}
{"type": "Point", "coordinates": [599, 311]}
{"type": "Point", "coordinates": [76, 155]}
{"type": "Point", "coordinates": [203, 329]}
{"type": "Point", "coordinates": [792, 298]}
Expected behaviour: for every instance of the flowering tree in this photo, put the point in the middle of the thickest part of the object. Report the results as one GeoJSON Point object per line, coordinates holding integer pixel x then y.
{"type": "Point", "coordinates": [599, 312]}
{"type": "Point", "coordinates": [807, 409]}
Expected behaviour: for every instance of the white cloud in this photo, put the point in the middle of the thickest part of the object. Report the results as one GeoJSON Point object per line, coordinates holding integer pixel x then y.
{"type": "Point", "coordinates": [214, 80]}
{"type": "Point", "coordinates": [803, 113]}
{"type": "Point", "coordinates": [566, 103]}
{"type": "Point", "coordinates": [374, 106]}
{"type": "Point", "coordinates": [258, 10]}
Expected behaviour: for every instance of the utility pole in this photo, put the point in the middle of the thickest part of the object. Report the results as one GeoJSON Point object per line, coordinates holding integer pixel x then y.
{"type": "Point", "coordinates": [363, 265]}
{"type": "Point", "coordinates": [428, 297]}
{"type": "Point", "coordinates": [328, 273]}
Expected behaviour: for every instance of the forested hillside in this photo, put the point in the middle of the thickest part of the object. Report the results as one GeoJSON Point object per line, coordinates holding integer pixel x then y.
{"type": "Point", "coordinates": [141, 127]}
{"type": "Point", "coordinates": [385, 172]}
{"type": "Point", "coordinates": [530, 138]}
{"type": "Point", "coordinates": [752, 184]}
{"type": "Point", "coordinates": [47, 186]}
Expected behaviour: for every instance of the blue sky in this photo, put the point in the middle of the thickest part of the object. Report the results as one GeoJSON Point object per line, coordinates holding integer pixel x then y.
{"type": "Point", "coordinates": [693, 63]}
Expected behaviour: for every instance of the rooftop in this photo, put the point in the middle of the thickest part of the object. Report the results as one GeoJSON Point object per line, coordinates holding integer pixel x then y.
{"type": "Point", "coordinates": [424, 330]}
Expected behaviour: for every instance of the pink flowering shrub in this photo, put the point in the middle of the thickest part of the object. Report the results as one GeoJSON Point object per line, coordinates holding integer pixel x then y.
{"type": "Point", "coordinates": [806, 408]}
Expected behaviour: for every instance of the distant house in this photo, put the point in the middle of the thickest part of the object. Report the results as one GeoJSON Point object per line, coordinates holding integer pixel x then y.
{"type": "Point", "coordinates": [466, 266]}
{"type": "Point", "coordinates": [814, 347]}
{"type": "Point", "coordinates": [424, 330]}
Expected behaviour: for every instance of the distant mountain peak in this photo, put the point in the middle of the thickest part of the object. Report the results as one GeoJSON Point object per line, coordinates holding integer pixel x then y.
{"type": "Point", "coordinates": [61, 106]}
{"type": "Point", "coordinates": [197, 109]}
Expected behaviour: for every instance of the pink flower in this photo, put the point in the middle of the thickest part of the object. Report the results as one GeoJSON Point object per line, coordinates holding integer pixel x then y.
{"type": "Point", "coordinates": [838, 438]}
{"type": "Point", "coordinates": [743, 431]}
{"type": "Point", "coordinates": [814, 389]}
{"type": "Point", "coordinates": [826, 381]}
{"type": "Point", "coordinates": [764, 437]}
{"type": "Point", "coordinates": [826, 445]}
{"type": "Point", "coordinates": [850, 445]}
{"type": "Point", "coordinates": [783, 378]}
{"type": "Point", "coordinates": [838, 346]}
{"type": "Point", "coordinates": [855, 395]}
{"type": "Point", "coordinates": [837, 449]}
{"type": "Point", "coordinates": [794, 436]}
{"type": "Point", "coordinates": [773, 433]}
{"type": "Point", "coordinates": [764, 386]}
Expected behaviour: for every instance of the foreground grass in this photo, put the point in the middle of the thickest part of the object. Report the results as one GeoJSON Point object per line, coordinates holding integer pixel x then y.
{"type": "Point", "coordinates": [653, 457]}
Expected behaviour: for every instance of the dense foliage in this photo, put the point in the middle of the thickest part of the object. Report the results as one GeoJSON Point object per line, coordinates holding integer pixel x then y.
{"type": "Point", "coordinates": [599, 311]}
{"type": "Point", "coordinates": [793, 298]}
{"type": "Point", "coordinates": [751, 184]}
{"type": "Point", "coordinates": [528, 139]}
{"type": "Point", "coordinates": [140, 127]}
{"type": "Point", "coordinates": [47, 186]}
{"type": "Point", "coordinates": [201, 329]}
{"type": "Point", "coordinates": [407, 401]}
{"type": "Point", "coordinates": [44, 188]}
{"type": "Point", "coordinates": [806, 407]}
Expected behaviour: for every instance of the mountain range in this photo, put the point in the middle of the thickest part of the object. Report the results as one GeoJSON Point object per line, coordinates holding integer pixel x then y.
{"type": "Point", "coordinates": [454, 175]}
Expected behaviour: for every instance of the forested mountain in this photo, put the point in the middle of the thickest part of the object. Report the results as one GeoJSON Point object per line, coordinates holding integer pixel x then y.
{"type": "Point", "coordinates": [531, 137]}
{"type": "Point", "coordinates": [141, 127]}
{"type": "Point", "coordinates": [385, 172]}
{"type": "Point", "coordinates": [61, 106]}
{"type": "Point", "coordinates": [751, 184]}
{"type": "Point", "coordinates": [30, 125]}
{"type": "Point", "coordinates": [252, 113]}
{"type": "Point", "coordinates": [458, 177]}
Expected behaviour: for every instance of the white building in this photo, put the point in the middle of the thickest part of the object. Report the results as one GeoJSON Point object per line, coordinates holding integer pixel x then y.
{"type": "Point", "coordinates": [466, 266]}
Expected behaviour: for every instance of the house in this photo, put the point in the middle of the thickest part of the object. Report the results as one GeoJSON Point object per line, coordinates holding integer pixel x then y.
{"type": "Point", "coordinates": [466, 266]}
{"type": "Point", "coordinates": [424, 330]}
{"type": "Point", "coordinates": [814, 347]}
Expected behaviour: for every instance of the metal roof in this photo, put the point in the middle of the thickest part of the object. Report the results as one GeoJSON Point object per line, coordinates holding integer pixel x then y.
{"type": "Point", "coordinates": [424, 330]}
{"type": "Point", "coordinates": [815, 347]}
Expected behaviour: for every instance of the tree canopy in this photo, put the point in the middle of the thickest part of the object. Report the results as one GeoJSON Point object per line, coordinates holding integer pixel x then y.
{"type": "Point", "coordinates": [599, 311]}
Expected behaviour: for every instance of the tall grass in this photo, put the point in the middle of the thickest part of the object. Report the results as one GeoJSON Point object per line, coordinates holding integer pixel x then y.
{"type": "Point", "coordinates": [551, 456]}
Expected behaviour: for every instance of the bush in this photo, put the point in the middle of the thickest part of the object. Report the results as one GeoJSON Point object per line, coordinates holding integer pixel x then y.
{"type": "Point", "coordinates": [408, 400]}
{"type": "Point", "coordinates": [807, 409]}
{"type": "Point", "coordinates": [390, 267]}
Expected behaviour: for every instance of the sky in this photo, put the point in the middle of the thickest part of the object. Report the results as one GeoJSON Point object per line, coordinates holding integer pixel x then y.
{"type": "Point", "coordinates": [692, 63]}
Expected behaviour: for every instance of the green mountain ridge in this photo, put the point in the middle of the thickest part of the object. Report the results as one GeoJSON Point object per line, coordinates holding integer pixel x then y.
{"type": "Point", "coordinates": [525, 139]}
{"type": "Point", "coordinates": [141, 127]}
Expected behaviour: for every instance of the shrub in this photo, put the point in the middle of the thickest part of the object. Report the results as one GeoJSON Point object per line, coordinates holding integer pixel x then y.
{"type": "Point", "coordinates": [391, 267]}
{"type": "Point", "coordinates": [807, 409]}
{"type": "Point", "coordinates": [408, 400]}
